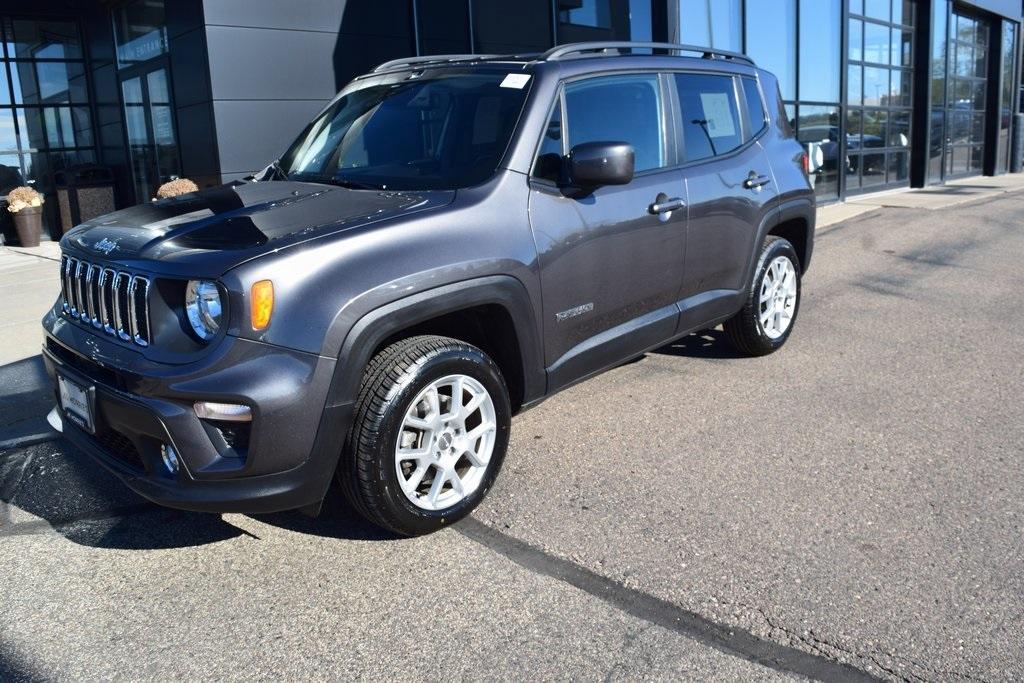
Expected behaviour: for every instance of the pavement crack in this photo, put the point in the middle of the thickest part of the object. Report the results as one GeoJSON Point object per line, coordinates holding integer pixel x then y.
{"type": "Point", "coordinates": [10, 483]}
{"type": "Point", "coordinates": [729, 640]}
{"type": "Point", "coordinates": [833, 650]}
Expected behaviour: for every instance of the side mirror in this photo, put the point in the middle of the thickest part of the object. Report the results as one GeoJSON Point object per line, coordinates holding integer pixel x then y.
{"type": "Point", "coordinates": [595, 164]}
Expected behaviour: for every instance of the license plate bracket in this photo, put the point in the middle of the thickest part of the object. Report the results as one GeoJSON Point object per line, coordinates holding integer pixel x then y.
{"type": "Point", "coordinates": [78, 403]}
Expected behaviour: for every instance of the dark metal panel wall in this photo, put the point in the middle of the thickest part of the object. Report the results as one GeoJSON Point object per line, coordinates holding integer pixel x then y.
{"type": "Point", "coordinates": [274, 64]}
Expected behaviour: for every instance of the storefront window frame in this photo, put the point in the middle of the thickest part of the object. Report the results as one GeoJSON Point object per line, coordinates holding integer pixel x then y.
{"type": "Point", "coordinates": [864, 109]}
{"type": "Point", "coordinates": [27, 155]}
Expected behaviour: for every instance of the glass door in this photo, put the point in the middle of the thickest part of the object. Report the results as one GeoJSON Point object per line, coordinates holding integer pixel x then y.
{"type": "Point", "coordinates": [879, 81]}
{"type": "Point", "coordinates": [149, 122]}
{"type": "Point", "coordinates": [966, 98]}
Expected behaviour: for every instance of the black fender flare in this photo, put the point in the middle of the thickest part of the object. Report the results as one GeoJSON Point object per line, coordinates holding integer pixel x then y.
{"type": "Point", "coordinates": [370, 331]}
{"type": "Point", "coordinates": [806, 210]}
{"type": "Point", "coordinates": [803, 209]}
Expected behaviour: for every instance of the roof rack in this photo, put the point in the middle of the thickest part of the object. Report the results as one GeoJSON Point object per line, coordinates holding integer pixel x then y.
{"type": "Point", "coordinates": [563, 51]}
{"type": "Point", "coordinates": [429, 59]}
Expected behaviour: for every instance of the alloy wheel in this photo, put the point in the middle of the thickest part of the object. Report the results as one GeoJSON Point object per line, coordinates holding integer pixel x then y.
{"type": "Point", "coordinates": [446, 442]}
{"type": "Point", "coordinates": [778, 297]}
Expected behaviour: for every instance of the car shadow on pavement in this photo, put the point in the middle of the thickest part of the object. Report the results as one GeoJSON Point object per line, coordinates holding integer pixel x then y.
{"type": "Point", "coordinates": [705, 344]}
{"type": "Point", "coordinates": [25, 396]}
{"type": "Point", "coordinates": [337, 519]}
{"type": "Point", "coordinates": [63, 490]}
{"type": "Point", "coordinates": [54, 486]}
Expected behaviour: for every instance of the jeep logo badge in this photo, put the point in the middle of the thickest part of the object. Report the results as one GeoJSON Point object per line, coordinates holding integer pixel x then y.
{"type": "Point", "coordinates": [105, 245]}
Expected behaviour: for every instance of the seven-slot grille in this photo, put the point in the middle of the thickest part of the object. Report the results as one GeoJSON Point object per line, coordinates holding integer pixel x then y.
{"type": "Point", "coordinates": [111, 300]}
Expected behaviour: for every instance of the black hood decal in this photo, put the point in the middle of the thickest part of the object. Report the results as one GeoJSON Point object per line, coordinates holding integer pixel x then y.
{"type": "Point", "coordinates": [234, 223]}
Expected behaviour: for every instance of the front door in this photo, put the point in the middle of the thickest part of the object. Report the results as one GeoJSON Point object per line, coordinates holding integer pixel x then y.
{"type": "Point", "coordinates": [611, 264]}
{"type": "Point", "coordinates": [149, 123]}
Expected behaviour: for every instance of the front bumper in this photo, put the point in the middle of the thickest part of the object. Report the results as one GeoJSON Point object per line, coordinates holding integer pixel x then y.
{"type": "Point", "coordinates": [293, 442]}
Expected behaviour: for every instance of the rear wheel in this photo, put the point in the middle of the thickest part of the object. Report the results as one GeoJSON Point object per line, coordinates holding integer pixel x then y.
{"type": "Point", "coordinates": [773, 300]}
{"type": "Point", "coordinates": [430, 433]}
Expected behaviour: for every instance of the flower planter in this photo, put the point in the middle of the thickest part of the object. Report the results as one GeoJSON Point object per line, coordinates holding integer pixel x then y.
{"type": "Point", "coordinates": [29, 223]}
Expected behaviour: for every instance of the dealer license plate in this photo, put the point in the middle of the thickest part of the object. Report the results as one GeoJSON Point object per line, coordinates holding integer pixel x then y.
{"type": "Point", "coordinates": [76, 404]}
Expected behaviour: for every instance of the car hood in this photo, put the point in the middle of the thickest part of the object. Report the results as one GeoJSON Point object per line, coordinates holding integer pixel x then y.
{"type": "Point", "coordinates": [214, 230]}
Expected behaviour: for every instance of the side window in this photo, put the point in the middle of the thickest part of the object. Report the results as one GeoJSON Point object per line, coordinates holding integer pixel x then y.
{"type": "Point", "coordinates": [711, 120]}
{"type": "Point", "coordinates": [618, 109]}
{"type": "Point", "coordinates": [549, 157]}
{"type": "Point", "coordinates": [755, 108]}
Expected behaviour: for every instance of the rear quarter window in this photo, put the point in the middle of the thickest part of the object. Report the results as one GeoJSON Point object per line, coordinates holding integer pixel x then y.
{"type": "Point", "coordinates": [755, 107]}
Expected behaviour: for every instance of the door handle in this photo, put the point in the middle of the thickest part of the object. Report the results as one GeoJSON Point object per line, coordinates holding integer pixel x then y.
{"type": "Point", "coordinates": [666, 205]}
{"type": "Point", "coordinates": [755, 181]}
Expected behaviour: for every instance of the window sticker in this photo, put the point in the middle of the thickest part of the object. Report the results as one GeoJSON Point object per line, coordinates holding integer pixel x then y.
{"type": "Point", "coordinates": [717, 115]}
{"type": "Point", "coordinates": [516, 81]}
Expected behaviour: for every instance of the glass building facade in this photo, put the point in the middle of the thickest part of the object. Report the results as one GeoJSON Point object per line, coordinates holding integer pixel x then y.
{"type": "Point", "coordinates": [45, 120]}
{"type": "Point", "coordinates": [882, 93]}
{"type": "Point", "coordinates": [859, 76]}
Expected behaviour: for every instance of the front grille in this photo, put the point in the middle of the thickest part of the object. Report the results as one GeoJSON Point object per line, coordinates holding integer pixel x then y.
{"type": "Point", "coordinates": [114, 301]}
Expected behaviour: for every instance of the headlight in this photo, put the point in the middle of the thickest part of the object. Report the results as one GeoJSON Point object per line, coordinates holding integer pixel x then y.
{"type": "Point", "coordinates": [202, 305]}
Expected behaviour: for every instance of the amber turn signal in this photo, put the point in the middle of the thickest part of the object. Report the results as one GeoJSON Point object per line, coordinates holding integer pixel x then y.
{"type": "Point", "coordinates": [262, 304]}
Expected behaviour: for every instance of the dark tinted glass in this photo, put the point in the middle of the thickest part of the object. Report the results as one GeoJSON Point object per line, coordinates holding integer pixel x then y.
{"type": "Point", "coordinates": [139, 31]}
{"type": "Point", "coordinates": [618, 109]}
{"type": "Point", "coordinates": [549, 157]}
{"type": "Point", "coordinates": [711, 122]}
{"type": "Point", "coordinates": [439, 132]}
{"type": "Point", "coordinates": [444, 29]}
{"type": "Point", "coordinates": [755, 108]}
{"type": "Point", "coordinates": [49, 82]}
{"type": "Point", "coordinates": [591, 13]}
{"type": "Point", "coordinates": [45, 40]}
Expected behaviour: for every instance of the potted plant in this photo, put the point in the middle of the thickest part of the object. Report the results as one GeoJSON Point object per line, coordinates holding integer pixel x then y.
{"type": "Point", "coordinates": [174, 188]}
{"type": "Point", "coordinates": [27, 207]}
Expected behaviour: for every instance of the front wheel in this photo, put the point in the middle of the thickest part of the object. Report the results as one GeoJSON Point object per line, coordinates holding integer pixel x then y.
{"type": "Point", "coordinates": [430, 433]}
{"type": "Point", "coordinates": [773, 300]}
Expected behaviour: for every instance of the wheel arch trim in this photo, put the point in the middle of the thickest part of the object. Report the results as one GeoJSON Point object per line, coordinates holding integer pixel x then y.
{"type": "Point", "coordinates": [799, 209]}
{"type": "Point", "coordinates": [802, 209]}
{"type": "Point", "coordinates": [374, 327]}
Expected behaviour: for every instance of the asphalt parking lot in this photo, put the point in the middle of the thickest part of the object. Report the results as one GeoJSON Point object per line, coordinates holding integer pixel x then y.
{"type": "Point", "coordinates": [852, 506]}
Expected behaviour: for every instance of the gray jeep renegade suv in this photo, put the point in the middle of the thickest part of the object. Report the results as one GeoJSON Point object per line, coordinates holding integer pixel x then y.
{"type": "Point", "coordinates": [453, 239]}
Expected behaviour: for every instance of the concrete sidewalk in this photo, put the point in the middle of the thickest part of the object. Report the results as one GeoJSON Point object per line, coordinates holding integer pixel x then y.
{"type": "Point", "coordinates": [953, 193]}
{"type": "Point", "coordinates": [29, 284]}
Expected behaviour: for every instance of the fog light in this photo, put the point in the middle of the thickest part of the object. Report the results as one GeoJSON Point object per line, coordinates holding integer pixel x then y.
{"type": "Point", "coordinates": [169, 457]}
{"type": "Point", "coordinates": [228, 412]}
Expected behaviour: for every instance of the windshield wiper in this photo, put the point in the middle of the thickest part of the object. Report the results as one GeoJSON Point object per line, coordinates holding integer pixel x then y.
{"type": "Point", "coordinates": [334, 180]}
{"type": "Point", "coordinates": [272, 172]}
{"type": "Point", "coordinates": [352, 184]}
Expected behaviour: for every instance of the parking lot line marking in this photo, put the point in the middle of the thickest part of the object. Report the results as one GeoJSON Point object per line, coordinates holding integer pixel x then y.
{"type": "Point", "coordinates": [731, 641]}
{"type": "Point", "coordinates": [30, 440]}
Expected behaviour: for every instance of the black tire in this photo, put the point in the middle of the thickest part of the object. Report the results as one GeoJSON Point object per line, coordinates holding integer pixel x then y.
{"type": "Point", "coordinates": [392, 380]}
{"type": "Point", "coordinates": [744, 330]}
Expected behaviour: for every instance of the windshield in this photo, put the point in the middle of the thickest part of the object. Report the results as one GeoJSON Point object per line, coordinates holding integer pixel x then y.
{"type": "Point", "coordinates": [435, 132]}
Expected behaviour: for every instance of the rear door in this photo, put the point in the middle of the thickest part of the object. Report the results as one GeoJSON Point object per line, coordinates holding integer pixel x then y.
{"type": "Point", "coordinates": [610, 263]}
{"type": "Point", "coordinates": [729, 183]}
